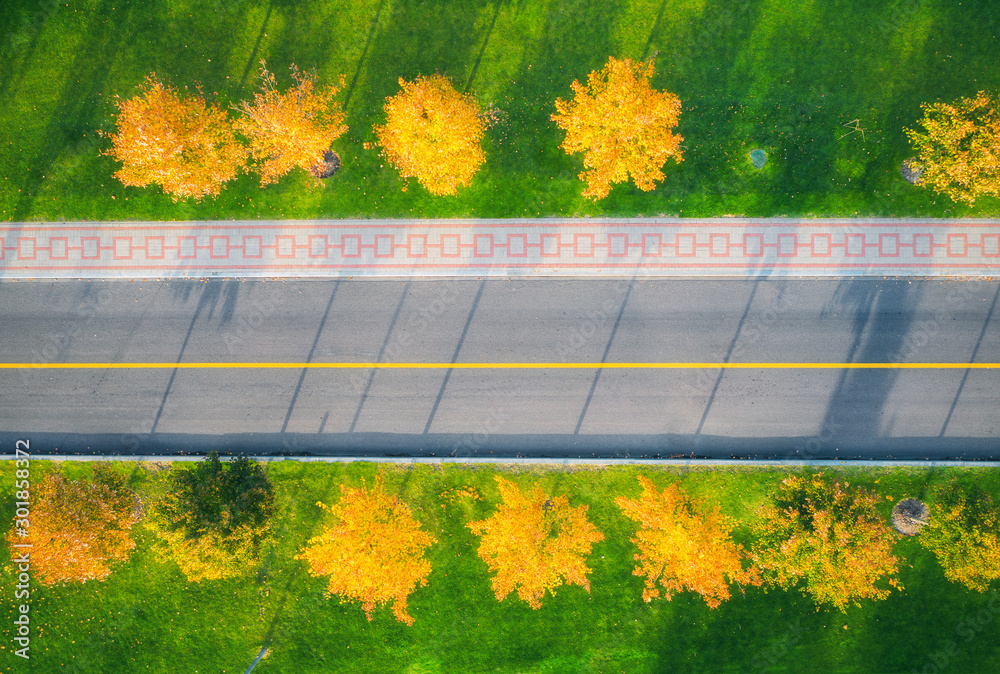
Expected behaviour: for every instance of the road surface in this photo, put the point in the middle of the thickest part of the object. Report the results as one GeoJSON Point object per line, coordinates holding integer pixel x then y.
{"type": "Point", "coordinates": [762, 411]}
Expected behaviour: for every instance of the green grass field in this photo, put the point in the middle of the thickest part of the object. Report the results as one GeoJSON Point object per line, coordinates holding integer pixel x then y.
{"type": "Point", "coordinates": [146, 618]}
{"type": "Point", "coordinates": [782, 75]}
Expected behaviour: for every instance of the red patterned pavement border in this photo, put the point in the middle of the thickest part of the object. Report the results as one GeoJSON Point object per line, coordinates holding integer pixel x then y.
{"type": "Point", "coordinates": [546, 247]}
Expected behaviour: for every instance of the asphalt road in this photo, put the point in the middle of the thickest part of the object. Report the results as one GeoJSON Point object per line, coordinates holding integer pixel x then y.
{"type": "Point", "coordinates": [774, 413]}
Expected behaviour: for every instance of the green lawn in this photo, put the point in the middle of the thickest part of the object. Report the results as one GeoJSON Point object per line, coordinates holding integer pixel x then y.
{"type": "Point", "coordinates": [146, 618]}
{"type": "Point", "coordinates": [782, 75]}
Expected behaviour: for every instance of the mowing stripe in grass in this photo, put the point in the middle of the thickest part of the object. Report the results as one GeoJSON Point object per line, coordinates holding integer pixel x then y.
{"type": "Point", "coordinates": [505, 366]}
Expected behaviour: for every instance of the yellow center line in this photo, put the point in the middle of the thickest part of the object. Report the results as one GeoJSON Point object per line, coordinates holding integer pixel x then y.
{"type": "Point", "coordinates": [503, 366]}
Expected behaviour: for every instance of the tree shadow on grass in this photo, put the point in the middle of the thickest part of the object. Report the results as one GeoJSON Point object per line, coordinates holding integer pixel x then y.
{"type": "Point", "coordinates": [417, 38]}
{"type": "Point", "coordinates": [912, 628]}
{"type": "Point", "coordinates": [755, 631]}
{"type": "Point", "coordinates": [789, 84]}
{"type": "Point", "coordinates": [78, 103]}
{"type": "Point", "coordinates": [575, 40]}
{"type": "Point", "coordinates": [118, 45]}
{"type": "Point", "coordinates": [694, 58]}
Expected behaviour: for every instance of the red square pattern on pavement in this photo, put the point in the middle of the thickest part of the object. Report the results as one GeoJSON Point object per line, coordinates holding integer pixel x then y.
{"type": "Point", "coordinates": [384, 245]}
{"type": "Point", "coordinates": [153, 247]}
{"type": "Point", "coordinates": [350, 245]}
{"type": "Point", "coordinates": [284, 246]}
{"type": "Point", "coordinates": [253, 247]}
{"type": "Point", "coordinates": [59, 248]}
{"type": "Point", "coordinates": [484, 245]}
{"type": "Point", "coordinates": [90, 248]}
{"type": "Point", "coordinates": [685, 245]}
{"type": "Point", "coordinates": [888, 245]}
{"type": "Point", "coordinates": [416, 245]}
{"type": "Point", "coordinates": [958, 245]}
{"type": "Point", "coordinates": [990, 245]}
{"type": "Point", "coordinates": [451, 245]}
{"type": "Point", "coordinates": [923, 245]}
{"type": "Point", "coordinates": [820, 245]}
{"type": "Point", "coordinates": [854, 245]}
{"type": "Point", "coordinates": [788, 245]}
{"type": "Point", "coordinates": [583, 245]}
{"type": "Point", "coordinates": [719, 245]}
{"type": "Point", "coordinates": [550, 245]}
{"type": "Point", "coordinates": [517, 245]}
{"type": "Point", "coordinates": [26, 248]}
{"type": "Point", "coordinates": [187, 247]}
{"type": "Point", "coordinates": [218, 247]}
{"type": "Point", "coordinates": [121, 248]}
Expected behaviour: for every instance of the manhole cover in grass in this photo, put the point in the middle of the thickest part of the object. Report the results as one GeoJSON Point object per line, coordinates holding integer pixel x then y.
{"type": "Point", "coordinates": [758, 158]}
{"type": "Point", "coordinates": [910, 516]}
{"type": "Point", "coordinates": [911, 172]}
{"type": "Point", "coordinates": [327, 167]}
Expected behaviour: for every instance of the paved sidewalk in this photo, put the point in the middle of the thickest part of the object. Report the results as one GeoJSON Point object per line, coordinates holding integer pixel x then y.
{"type": "Point", "coordinates": [591, 247]}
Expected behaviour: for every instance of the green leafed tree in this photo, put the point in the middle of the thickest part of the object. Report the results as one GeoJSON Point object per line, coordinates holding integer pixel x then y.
{"type": "Point", "coordinates": [828, 539]}
{"type": "Point", "coordinates": [215, 518]}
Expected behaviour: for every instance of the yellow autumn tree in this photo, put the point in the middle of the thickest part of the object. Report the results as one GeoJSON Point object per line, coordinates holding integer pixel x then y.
{"type": "Point", "coordinates": [373, 552]}
{"type": "Point", "coordinates": [964, 534]}
{"type": "Point", "coordinates": [623, 126]}
{"type": "Point", "coordinates": [535, 543]}
{"type": "Point", "coordinates": [684, 545]}
{"type": "Point", "coordinates": [176, 141]}
{"type": "Point", "coordinates": [433, 133]}
{"type": "Point", "coordinates": [290, 129]}
{"type": "Point", "coordinates": [77, 529]}
{"type": "Point", "coordinates": [958, 150]}
{"type": "Point", "coordinates": [829, 538]}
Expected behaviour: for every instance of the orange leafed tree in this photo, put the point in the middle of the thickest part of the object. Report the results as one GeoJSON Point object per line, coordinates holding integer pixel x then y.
{"type": "Point", "coordinates": [828, 537]}
{"type": "Point", "coordinates": [535, 543]}
{"type": "Point", "coordinates": [291, 128]}
{"type": "Point", "coordinates": [684, 545]}
{"type": "Point", "coordinates": [373, 552]}
{"type": "Point", "coordinates": [78, 528]}
{"type": "Point", "coordinates": [433, 133]}
{"type": "Point", "coordinates": [623, 126]}
{"type": "Point", "coordinates": [958, 150]}
{"type": "Point", "coordinates": [178, 142]}
{"type": "Point", "coordinates": [964, 534]}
